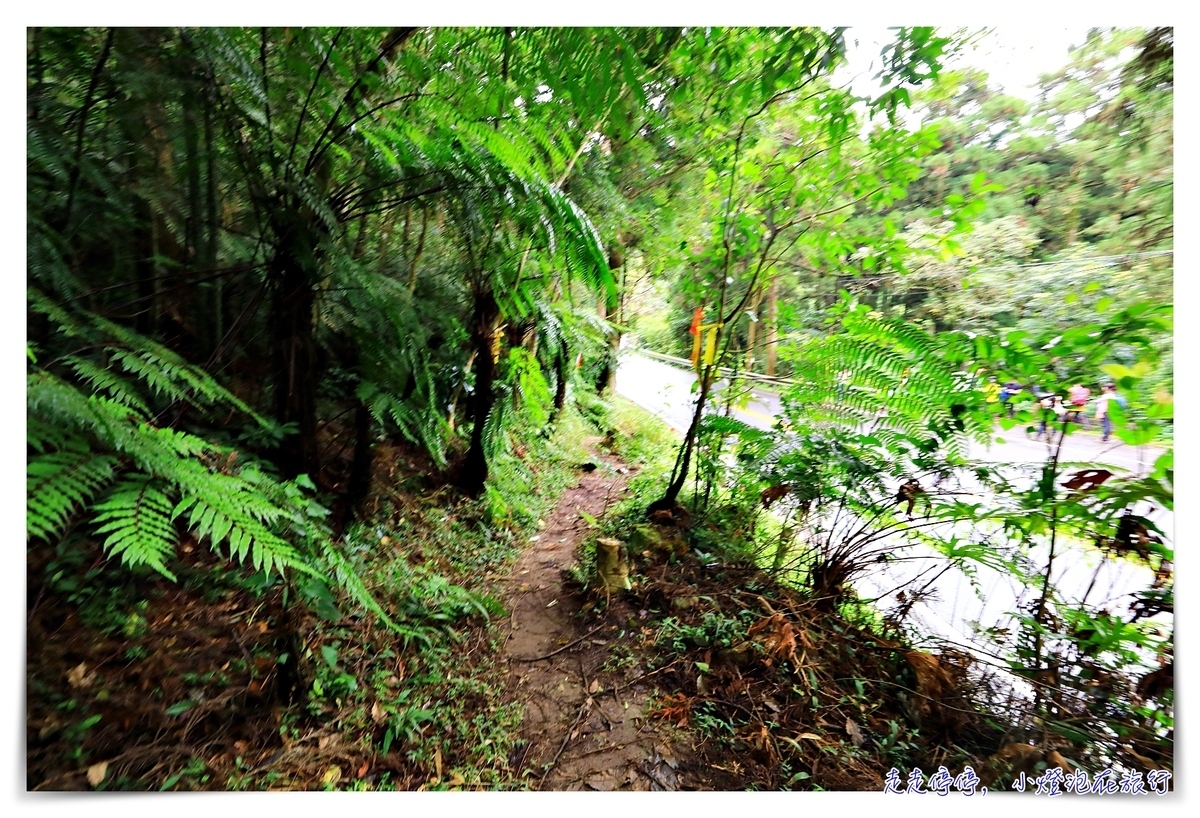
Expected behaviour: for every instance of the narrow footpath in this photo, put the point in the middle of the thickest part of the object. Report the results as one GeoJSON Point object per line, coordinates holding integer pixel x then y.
{"type": "Point", "coordinates": [585, 691]}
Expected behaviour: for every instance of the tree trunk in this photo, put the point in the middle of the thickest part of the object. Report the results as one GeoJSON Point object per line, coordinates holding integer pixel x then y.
{"type": "Point", "coordinates": [294, 360]}
{"type": "Point", "coordinates": [771, 331]}
{"type": "Point", "coordinates": [684, 460]}
{"type": "Point", "coordinates": [416, 256]}
{"type": "Point", "coordinates": [474, 471]}
{"type": "Point", "coordinates": [614, 349]}
{"type": "Point", "coordinates": [364, 452]}
{"type": "Point", "coordinates": [752, 332]}
{"type": "Point", "coordinates": [212, 221]}
{"type": "Point", "coordinates": [562, 372]}
{"type": "Point", "coordinates": [143, 266]}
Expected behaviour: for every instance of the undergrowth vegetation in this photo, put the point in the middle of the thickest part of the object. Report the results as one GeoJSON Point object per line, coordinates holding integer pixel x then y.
{"type": "Point", "coordinates": [321, 323]}
{"type": "Point", "coordinates": [357, 703]}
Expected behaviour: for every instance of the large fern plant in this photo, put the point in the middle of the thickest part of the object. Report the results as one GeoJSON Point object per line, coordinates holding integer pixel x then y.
{"type": "Point", "coordinates": [890, 377]}
{"type": "Point", "coordinates": [102, 449]}
{"type": "Point", "coordinates": [103, 454]}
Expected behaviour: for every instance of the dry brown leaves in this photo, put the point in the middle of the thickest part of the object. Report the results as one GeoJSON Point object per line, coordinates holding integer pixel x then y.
{"type": "Point", "coordinates": [938, 681]}
{"type": "Point", "coordinates": [1016, 757]}
{"type": "Point", "coordinates": [779, 638]}
{"type": "Point", "coordinates": [675, 707]}
{"type": "Point", "coordinates": [933, 682]}
{"type": "Point", "coordinates": [773, 493]}
{"type": "Point", "coordinates": [1154, 684]}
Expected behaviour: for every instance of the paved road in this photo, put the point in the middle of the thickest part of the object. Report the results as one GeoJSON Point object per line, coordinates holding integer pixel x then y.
{"type": "Point", "coordinates": [955, 602]}
{"type": "Point", "coordinates": [666, 391]}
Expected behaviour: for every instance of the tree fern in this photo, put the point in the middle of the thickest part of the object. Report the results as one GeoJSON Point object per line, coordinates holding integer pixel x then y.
{"type": "Point", "coordinates": [888, 375]}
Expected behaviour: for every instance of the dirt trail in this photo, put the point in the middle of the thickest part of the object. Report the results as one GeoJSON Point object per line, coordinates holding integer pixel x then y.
{"type": "Point", "coordinates": [585, 703]}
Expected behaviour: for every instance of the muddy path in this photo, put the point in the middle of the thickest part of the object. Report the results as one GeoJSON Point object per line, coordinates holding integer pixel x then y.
{"type": "Point", "coordinates": [585, 688]}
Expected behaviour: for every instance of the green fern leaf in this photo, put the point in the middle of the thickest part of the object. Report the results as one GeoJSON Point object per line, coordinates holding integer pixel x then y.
{"type": "Point", "coordinates": [59, 483]}
{"type": "Point", "coordinates": [137, 516]}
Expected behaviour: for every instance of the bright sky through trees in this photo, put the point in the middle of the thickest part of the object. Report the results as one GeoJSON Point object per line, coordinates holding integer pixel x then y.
{"type": "Point", "coordinates": [1013, 56]}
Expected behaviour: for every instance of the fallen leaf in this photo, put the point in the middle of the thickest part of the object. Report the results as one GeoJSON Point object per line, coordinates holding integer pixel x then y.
{"type": "Point", "coordinates": [79, 677]}
{"type": "Point", "coordinates": [855, 733]}
{"type": "Point", "coordinates": [773, 493]}
{"type": "Point", "coordinates": [1158, 682]}
{"type": "Point", "coordinates": [594, 687]}
{"type": "Point", "coordinates": [1053, 758]}
{"type": "Point", "coordinates": [933, 682]}
{"type": "Point", "coordinates": [96, 773]}
{"type": "Point", "coordinates": [332, 776]}
{"type": "Point", "coordinates": [378, 714]}
{"type": "Point", "coordinates": [1149, 764]}
{"type": "Point", "coordinates": [553, 602]}
{"type": "Point", "coordinates": [777, 636]}
{"type": "Point", "coordinates": [437, 761]}
{"type": "Point", "coordinates": [366, 765]}
{"type": "Point", "coordinates": [456, 780]}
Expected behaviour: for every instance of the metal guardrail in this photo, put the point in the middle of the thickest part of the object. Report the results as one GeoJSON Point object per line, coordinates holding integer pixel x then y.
{"type": "Point", "coordinates": [767, 380]}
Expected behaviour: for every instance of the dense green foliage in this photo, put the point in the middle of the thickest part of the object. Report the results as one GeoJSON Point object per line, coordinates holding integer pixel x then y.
{"type": "Point", "coordinates": [259, 257]}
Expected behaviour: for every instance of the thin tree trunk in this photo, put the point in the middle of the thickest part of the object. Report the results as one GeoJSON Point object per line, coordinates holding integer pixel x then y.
{"type": "Point", "coordinates": [213, 224]}
{"type": "Point", "coordinates": [364, 454]}
{"type": "Point", "coordinates": [603, 378]}
{"type": "Point", "coordinates": [562, 372]}
{"type": "Point", "coordinates": [416, 256]}
{"type": "Point", "coordinates": [474, 471]}
{"type": "Point", "coordinates": [684, 460]}
{"type": "Point", "coordinates": [752, 332]}
{"type": "Point", "coordinates": [772, 328]}
{"type": "Point", "coordinates": [614, 349]}
{"type": "Point", "coordinates": [143, 266]}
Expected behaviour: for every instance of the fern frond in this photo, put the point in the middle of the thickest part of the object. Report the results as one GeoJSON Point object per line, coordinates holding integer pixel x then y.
{"type": "Point", "coordinates": [103, 379]}
{"type": "Point", "coordinates": [351, 580]}
{"type": "Point", "coordinates": [229, 510]}
{"type": "Point", "coordinates": [42, 436]}
{"type": "Point", "coordinates": [58, 484]}
{"type": "Point", "coordinates": [138, 518]}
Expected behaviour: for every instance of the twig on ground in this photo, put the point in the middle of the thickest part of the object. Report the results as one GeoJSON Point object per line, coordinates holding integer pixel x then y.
{"type": "Point", "coordinates": [583, 709]}
{"type": "Point", "coordinates": [570, 644]}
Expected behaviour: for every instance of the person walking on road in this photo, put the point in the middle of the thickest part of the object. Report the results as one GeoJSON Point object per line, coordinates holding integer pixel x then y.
{"type": "Point", "coordinates": [1077, 398]}
{"type": "Point", "coordinates": [1049, 405]}
{"type": "Point", "coordinates": [991, 391]}
{"type": "Point", "coordinates": [1009, 391]}
{"type": "Point", "coordinates": [1106, 397]}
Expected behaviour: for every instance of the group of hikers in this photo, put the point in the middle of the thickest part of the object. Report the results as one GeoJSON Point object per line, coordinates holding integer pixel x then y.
{"type": "Point", "coordinates": [1076, 408]}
